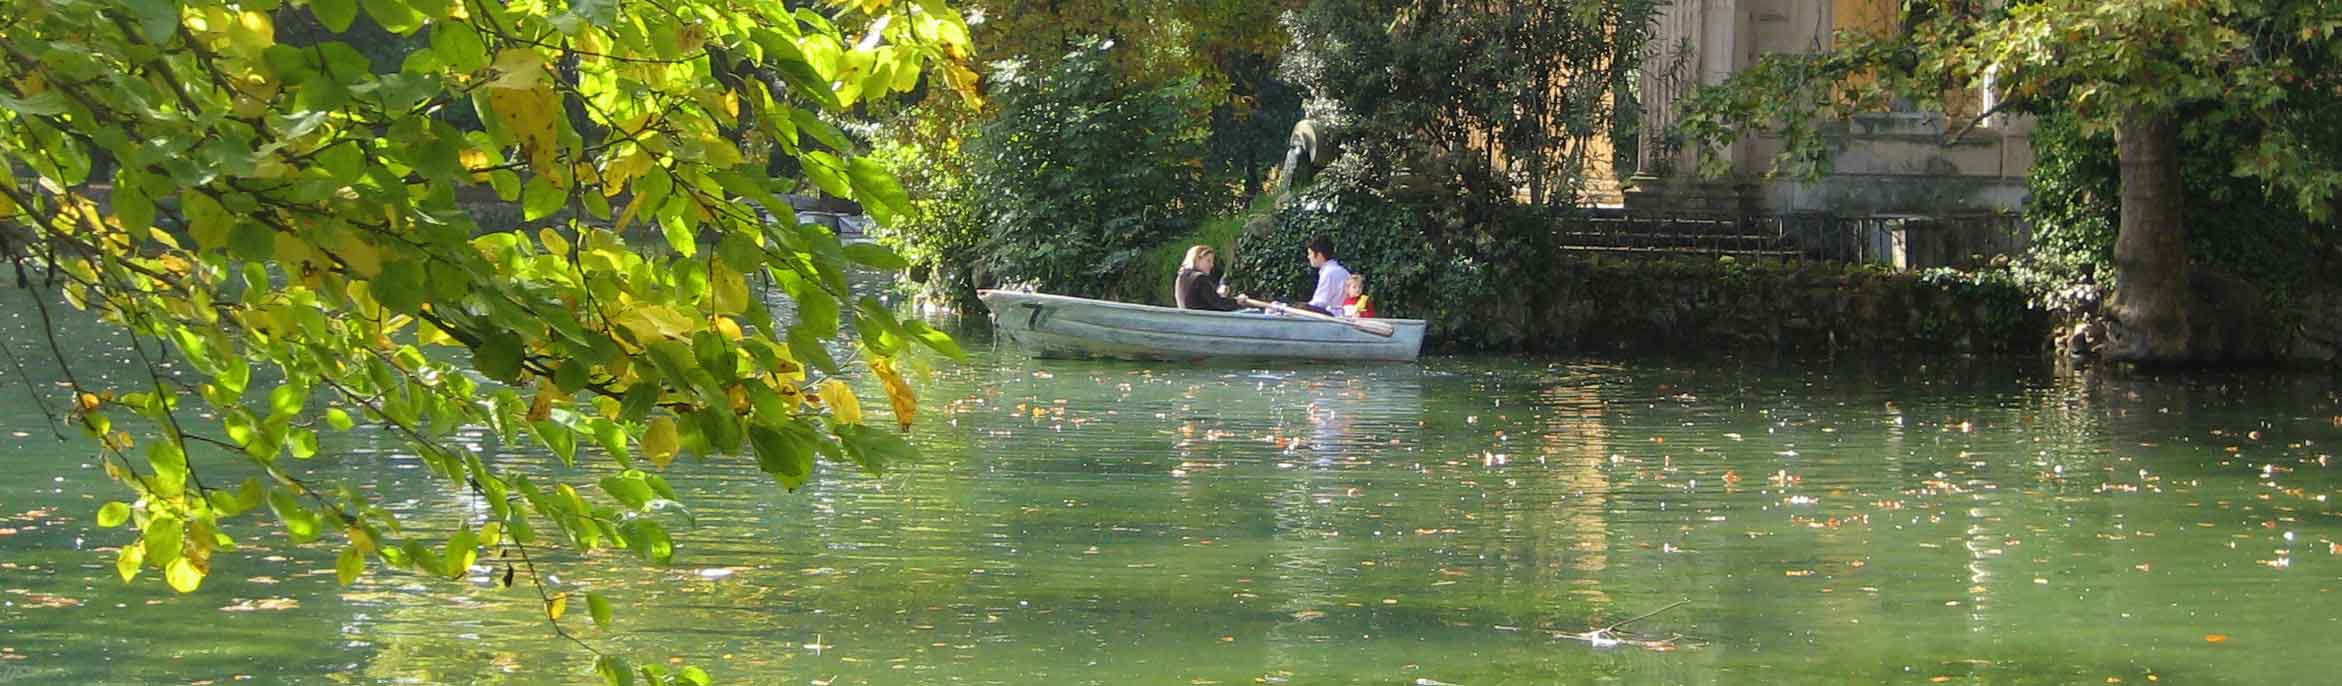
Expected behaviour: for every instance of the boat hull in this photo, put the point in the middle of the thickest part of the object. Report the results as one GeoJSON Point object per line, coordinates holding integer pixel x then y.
{"type": "Point", "coordinates": [1061, 326]}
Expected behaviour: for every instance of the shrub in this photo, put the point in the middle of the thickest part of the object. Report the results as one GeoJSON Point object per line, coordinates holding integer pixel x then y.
{"type": "Point", "coordinates": [1084, 170]}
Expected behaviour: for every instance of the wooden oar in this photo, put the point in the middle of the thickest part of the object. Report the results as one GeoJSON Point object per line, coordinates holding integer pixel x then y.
{"type": "Point", "coordinates": [1366, 325]}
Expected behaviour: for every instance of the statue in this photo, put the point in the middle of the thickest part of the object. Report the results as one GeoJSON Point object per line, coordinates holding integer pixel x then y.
{"type": "Point", "coordinates": [1306, 151]}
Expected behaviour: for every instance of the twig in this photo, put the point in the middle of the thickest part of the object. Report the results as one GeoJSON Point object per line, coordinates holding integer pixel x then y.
{"type": "Point", "coordinates": [1644, 616]}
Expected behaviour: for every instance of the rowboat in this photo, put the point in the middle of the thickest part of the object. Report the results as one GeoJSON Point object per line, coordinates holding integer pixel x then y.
{"type": "Point", "coordinates": [1063, 326]}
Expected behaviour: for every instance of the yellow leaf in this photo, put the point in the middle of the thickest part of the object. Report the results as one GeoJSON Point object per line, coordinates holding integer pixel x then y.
{"type": "Point", "coordinates": [474, 160]}
{"type": "Point", "coordinates": [428, 335]}
{"type": "Point", "coordinates": [624, 169]}
{"type": "Point", "coordinates": [660, 442]}
{"type": "Point", "coordinates": [183, 575]}
{"type": "Point", "coordinates": [652, 322]}
{"type": "Point", "coordinates": [898, 393]}
{"type": "Point", "coordinates": [728, 328]}
{"type": "Point", "coordinates": [518, 69]}
{"type": "Point", "coordinates": [559, 606]}
{"type": "Point", "coordinates": [627, 217]}
{"type": "Point", "coordinates": [532, 115]}
{"type": "Point", "coordinates": [541, 408]}
{"type": "Point", "coordinates": [843, 406]}
{"type": "Point", "coordinates": [727, 290]}
{"type": "Point", "coordinates": [362, 540]}
{"type": "Point", "coordinates": [555, 243]}
{"type": "Point", "coordinates": [131, 558]}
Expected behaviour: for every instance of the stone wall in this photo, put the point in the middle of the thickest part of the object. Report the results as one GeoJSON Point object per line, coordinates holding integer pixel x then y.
{"type": "Point", "coordinates": [1685, 303]}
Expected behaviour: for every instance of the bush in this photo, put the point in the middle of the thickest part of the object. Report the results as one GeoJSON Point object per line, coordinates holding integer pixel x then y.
{"type": "Point", "coordinates": [1418, 259]}
{"type": "Point", "coordinates": [1083, 171]}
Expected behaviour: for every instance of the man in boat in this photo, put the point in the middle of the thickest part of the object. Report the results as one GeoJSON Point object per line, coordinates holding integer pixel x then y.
{"type": "Point", "coordinates": [1332, 280]}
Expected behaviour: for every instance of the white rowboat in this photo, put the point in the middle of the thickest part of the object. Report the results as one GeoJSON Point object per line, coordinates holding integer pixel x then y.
{"type": "Point", "coordinates": [1061, 326]}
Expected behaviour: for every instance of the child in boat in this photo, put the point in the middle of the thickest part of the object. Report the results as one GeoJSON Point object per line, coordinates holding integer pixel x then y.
{"type": "Point", "coordinates": [1355, 304]}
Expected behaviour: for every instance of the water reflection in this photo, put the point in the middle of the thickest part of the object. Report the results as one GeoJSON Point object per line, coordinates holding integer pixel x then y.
{"type": "Point", "coordinates": [1937, 521]}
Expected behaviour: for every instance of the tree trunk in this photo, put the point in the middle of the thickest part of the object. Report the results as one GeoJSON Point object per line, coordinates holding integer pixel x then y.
{"type": "Point", "coordinates": [2151, 297]}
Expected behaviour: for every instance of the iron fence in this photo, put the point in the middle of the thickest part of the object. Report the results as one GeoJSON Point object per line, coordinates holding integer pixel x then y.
{"type": "Point", "coordinates": [1905, 241]}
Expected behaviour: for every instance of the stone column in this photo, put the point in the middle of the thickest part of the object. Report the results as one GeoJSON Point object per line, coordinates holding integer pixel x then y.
{"type": "Point", "coordinates": [1697, 43]}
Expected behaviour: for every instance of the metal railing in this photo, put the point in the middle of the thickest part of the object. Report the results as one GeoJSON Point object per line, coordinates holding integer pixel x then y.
{"type": "Point", "coordinates": [1906, 241]}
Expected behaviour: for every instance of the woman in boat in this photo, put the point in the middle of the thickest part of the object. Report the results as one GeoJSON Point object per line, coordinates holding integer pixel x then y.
{"type": "Point", "coordinates": [1198, 288]}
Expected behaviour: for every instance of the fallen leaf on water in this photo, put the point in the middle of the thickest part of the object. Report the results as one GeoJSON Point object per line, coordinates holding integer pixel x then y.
{"type": "Point", "coordinates": [2215, 638]}
{"type": "Point", "coordinates": [262, 604]}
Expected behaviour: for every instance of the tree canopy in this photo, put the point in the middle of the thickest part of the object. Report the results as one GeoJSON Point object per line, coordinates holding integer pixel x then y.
{"type": "Point", "coordinates": [279, 219]}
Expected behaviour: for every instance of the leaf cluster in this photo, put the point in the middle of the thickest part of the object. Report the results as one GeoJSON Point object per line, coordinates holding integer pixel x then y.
{"type": "Point", "coordinates": [280, 224]}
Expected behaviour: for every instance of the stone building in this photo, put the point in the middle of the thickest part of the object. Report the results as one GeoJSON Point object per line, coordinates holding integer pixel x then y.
{"type": "Point", "coordinates": [1896, 163]}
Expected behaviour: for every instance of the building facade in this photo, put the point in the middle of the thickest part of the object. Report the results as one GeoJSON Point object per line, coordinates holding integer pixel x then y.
{"type": "Point", "coordinates": [1897, 163]}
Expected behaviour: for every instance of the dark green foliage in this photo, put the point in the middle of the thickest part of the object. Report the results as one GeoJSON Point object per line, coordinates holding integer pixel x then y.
{"type": "Point", "coordinates": [1431, 91]}
{"type": "Point", "coordinates": [1249, 129]}
{"type": "Point", "coordinates": [2234, 223]}
{"type": "Point", "coordinates": [1420, 96]}
{"type": "Point", "coordinates": [1082, 171]}
{"type": "Point", "coordinates": [1421, 259]}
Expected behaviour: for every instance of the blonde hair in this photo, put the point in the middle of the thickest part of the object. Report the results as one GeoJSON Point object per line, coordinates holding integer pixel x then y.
{"type": "Point", "coordinates": [1359, 281]}
{"type": "Point", "coordinates": [1197, 255]}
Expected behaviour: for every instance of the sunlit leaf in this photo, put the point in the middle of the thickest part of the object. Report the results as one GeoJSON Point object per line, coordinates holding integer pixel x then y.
{"type": "Point", "coordinates": [113, 514]}
{"type": "Point", "coordinates": [600, 609]}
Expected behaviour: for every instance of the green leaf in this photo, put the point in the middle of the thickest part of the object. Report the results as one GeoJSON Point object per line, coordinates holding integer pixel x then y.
{"type": "Point", "coordinates": [162, 536]}
{"type": "Point", "coordinates": [133, 208]}
{"type": "Point", "coordinates": [599, 607]}
{"type": "Point", "coordinates": [615, 670]}
{"type": "Point", "coordinates": [349, 565]}
{"type": "Point", "coordinates": [810, 122]}
{"type": "Point", "coordinates": [629, 489]}
{"type": "Point", "coordinates": [640, 399]}
{"type": "Point", "coordinates": [335, 14]}
{"type": "Point", "coordinates": [827, 172]}
{"type": "Point", "coordinates": [649, 539]}
{"type": "Point", "coordinates": [113, 514]}
{"type": "Point", "coordinates": [573, 375]}
{"type": "Point", "coordinates": [207, 221]}
{"type": "Point", "coordinates": [807, 347]}
{"type": "Point", "coordinates": [878, 190]}
{"type": "Point", "coordinates": [787, 454]}
{"type": "Point", "coordinates": [395, 16]}
{"type": "Point", "coordinates": [540, 199]}
{"type": "Point", "coordinates": [458, 46]}
{"type": "Point", "coordinates": [876, 256]}
{"type": "Point", "coordinates": [304, 526]}
{"type": "Point", "coordinates": [935, 340]}
{"type": "Point", "coordinates": [873, 449]}
{"type": "Point", "coordinates": [881, 333]}
{"type": "Point", "coordinates": [461, 550]}
{"type": "Point", "coordinates": [816, 308]}
{"type": "Point", "coordinates": [338, 419]}
{"type": "Point", "coordinates": [498, 356]}
{"type": "Point", "coordinates": [560, 438]}
{"type": "Point", "coordinates": [287, 399]}
{"type": "Point", "coordinates": [157, 19]}
{"type": "Point", "coordinates": [169, 463]}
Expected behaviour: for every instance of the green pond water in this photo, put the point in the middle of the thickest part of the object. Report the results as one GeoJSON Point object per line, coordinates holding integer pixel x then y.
{"type": "Point", "coordinates": [1462, 521]}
